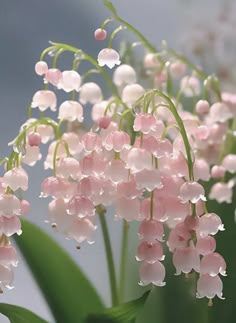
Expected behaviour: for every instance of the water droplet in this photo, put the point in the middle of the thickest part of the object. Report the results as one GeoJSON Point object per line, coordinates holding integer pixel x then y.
{"type": "Point", "coordinates": [52, 52]}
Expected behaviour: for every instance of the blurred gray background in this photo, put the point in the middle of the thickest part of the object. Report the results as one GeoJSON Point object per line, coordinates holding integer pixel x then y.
{"type": "Point", "coordinates": [25, 28]}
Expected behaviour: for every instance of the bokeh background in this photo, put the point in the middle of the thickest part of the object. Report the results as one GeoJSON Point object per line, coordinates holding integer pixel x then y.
{"type": "Point", "coordinates": [25, 28]}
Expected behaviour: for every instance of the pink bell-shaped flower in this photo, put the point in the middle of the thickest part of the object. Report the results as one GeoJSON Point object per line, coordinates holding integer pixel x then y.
{"type": "Point", "coordinates": [186, 259]}
{"type": "Point", "coordinates": [53, 76]}
{"type": "Point", "coordinates": [139, 159]}
{"type": "Point", "coordinates": [124, 74]}
{"type": "Point", "coordinates": [91, 141]}
{"type": "Point", "coordinates": [209, 224]}
{"type": "Point", "coordinates": [148, 179]}
{"type": "Point", "coordinates": [152, 273]}
{"type": "Point", "coordinates": [213, 264]}
{"type": "Point", "coordinates": [90, 92]}
{"type": "Point", "coordinates": [145, 123]}
{"type": "Point", "coordinates": [117, 140]}
{"type": "Point", "coordinates": [190, 86]}
{"type": "Point", "coordinates": [202, 107]}
{"type": "Point", "coordinates": [116, 171]}
{"type": "Point", "coordinates": [221, 192]}
{"type": "Point", "coordinates": [80, 230]}
{"type": "Point", "coordinates": [6, 277]}
{"type": "Point", "coordinates": [71, 111]}
{"type": "Point", "coordinates": [16, 178]}
{"type": "Point", "coordinates": [229, 163]}
{"type": "Point", "coordinates": [70, 81]}
{"type": "Point", "coordinates": [9, 205]}
{"type": "Point", "coordinates": [108, 57]}
{"type": "Point", "coordinates": [128, 189]}
{"type": "Point", "coordinates": [206, 245]}
{"type": "Point", "coordinates": [151, 231]}
{"type": "Point", "coordinates": [208, 286]}
{"type": "Point", "coordinates": [158, 210]}
{"type": "Point", "coordinates": [34, 139]}
{"type": "Point", "coordinates": [68, 167]}
{"type": "Point", "coordinates": [132, 92]}
{"type": "Point", "coordinates": [192, 191]}
{"type": "Point", "coordinates": [219, 112]}
{"type": "Point", "coordinates": [10, 226]}
{"type": "Point", "coordinates": [127, 209]}
{"type": "Point", "coordinates": [81, 206]}
{"type": "Point", "coordinates": [41, 68]}
{"type": "Point", "coordinates": [8, 256]}
{"type": "Point", "coordinates": [44, 99]}
{"type": "Point", "coordinates": [150, 252]}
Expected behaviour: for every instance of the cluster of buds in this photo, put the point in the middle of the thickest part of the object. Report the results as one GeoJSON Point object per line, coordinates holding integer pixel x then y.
{"type": "Point", "coordinates": [144, 155]}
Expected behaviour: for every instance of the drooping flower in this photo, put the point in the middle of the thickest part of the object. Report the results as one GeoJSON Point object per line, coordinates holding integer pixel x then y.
{"type": "Point", "coordinates": [108, 57]}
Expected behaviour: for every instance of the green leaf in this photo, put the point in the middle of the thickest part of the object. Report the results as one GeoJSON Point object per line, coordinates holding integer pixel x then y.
{"type": "Point", "coordinates": [17, 314]}
{"type": "Point", "coordinates": [125, 313]}
{"type": "Point", "coordinates": [68, 292]}
{"type": "Point", "coordinates": [110, 7]}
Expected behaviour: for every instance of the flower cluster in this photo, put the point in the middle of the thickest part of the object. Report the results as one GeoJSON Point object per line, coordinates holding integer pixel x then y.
{"type": "Point", "coordinates": [145, 154]}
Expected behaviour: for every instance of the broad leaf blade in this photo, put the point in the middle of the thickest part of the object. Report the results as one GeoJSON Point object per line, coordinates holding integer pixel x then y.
{"type": "Point", "coordinates": [67, 291]}
{"type": "Point", "coordinates": [17, 314]}
{"type": "Point", "coordinates": [124, 313]}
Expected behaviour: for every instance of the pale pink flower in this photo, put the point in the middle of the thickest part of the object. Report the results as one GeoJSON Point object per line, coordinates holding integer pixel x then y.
{"type": "Point", "coordinates": [124, 74]}
{"type": "Point", "coordinates": [70, 81]}
{"type": "Point", "coordinates": [116, 171]}
{"type": "Point", "coordinates": [91, 141]}
{"type": "Point", "coordinates": [177, 69]}
{"type": "Point", "coordinates": [53, 76]}
{"type": "Point", "coordinates": [6, 277]}
{"type": "Point", "coordinates": [148, 179]}
{"type": "Point", "coordinates": [9, 205]}
{"type": "Point", "coordinates": [46, 132]}
{"type": "Point", "coordinates": [186, 259]}
{"type": "Point", "coordinates": [127, 209]}
{"type": "Point", "coordinates": [221, 192]}
{"type": "Point", "coordinates": [151, 231]}
{"type": "Point", "coordinates": [108, 57]}
{"type": "Point", "coordinates": [25, 207]}
{"type": "Point", "coordinates": [213, 264]}
{"type": "Point", "coordinates": [202, 107]}
{"type": "Point", "coordinates": [190, 86]}
{"type": "Point", "coordinates": [100, 34]}
{"type": "Point", "coordinates": [16, 178]}
{"type": "Point", "coordinates": [178, 237]}
{"type": "Point", "coordinates": [139, 159]}
{"type": "Point", "coordinates": [219, 112]}
{"type": "Point", "coordinates": [10, 226]}
{"type": "Point", "coordinates": [71, 111]}
{"type": "Point", "coordinates": [229, 163]}
{"type": "Point", "coordinates": [131, 93]}
{"type": "Point", "coordinates": [158, 210]}
{"type": "Point", "coordinates": [145, 123]}
{"type": "Point", "coordinates": [201, 170]}
{"type": "Point", "coordinates": [218, 172]}
{"type": "Point", "coordinates": [209, 224]}
{"type": "Point", "coordinates": [206, 245]}
{"type": "Point", "coordinates": [74, 144]}
{"type": "Point", "coordinates": [41, 68]}
{"type": "Point", "coordinates": [92, 165]}
{"type": "Point", "coordinates": [81, 206]}
{"type": "Point", "coordinates": [68, 167]}
{"type": "Point", "coordinates": [80, 230]}
{"type": "Point", "coordinates": [152, 273]}
{"type": "Point", "coordinates": [208, 286]}
{"type": "Point", "coordinates": [176, 211]}
{"type": "Point", "coordinates": [150, 252]}
{"type": "Point", "coordinates": [90, 93]}
{"type": "Point", "coordinates": [98, 110]}
{"type": "Point", "coordinates": [8, 256]}
{"type": "Point", "coordinates": [116, 140]}
{"type": "Point", "coordinates": [91, 187]}
{"type": "Point", "coordinates": [34, 139]}
{"type": "Point", "coordinates": [57, 187]}
{"type": "Point", "coordinates": [192, 191]}
{"type": "Point", "coordinates": [128, 189]}
{"type": "Point", "coordinates": [43, 100]}
{"type": "Point", "coordinates": [57, 214]}
{"type": "Point", "coordinates": [32, 155]}
{"type": "Point", "coordinates": [151, 61]}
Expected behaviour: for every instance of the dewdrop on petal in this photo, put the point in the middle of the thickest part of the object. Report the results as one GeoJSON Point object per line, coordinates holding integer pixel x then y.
{"type": "Point", "coordinates": [108, 57]}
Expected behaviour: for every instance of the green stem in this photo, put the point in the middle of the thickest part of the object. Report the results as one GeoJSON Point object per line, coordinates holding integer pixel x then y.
{"type": "Point", "coordinates": [110, 262]}
{"type": "Point", "coordinates": [123, 260]}
{"type": "Point", "coordinates": [180, 124]}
